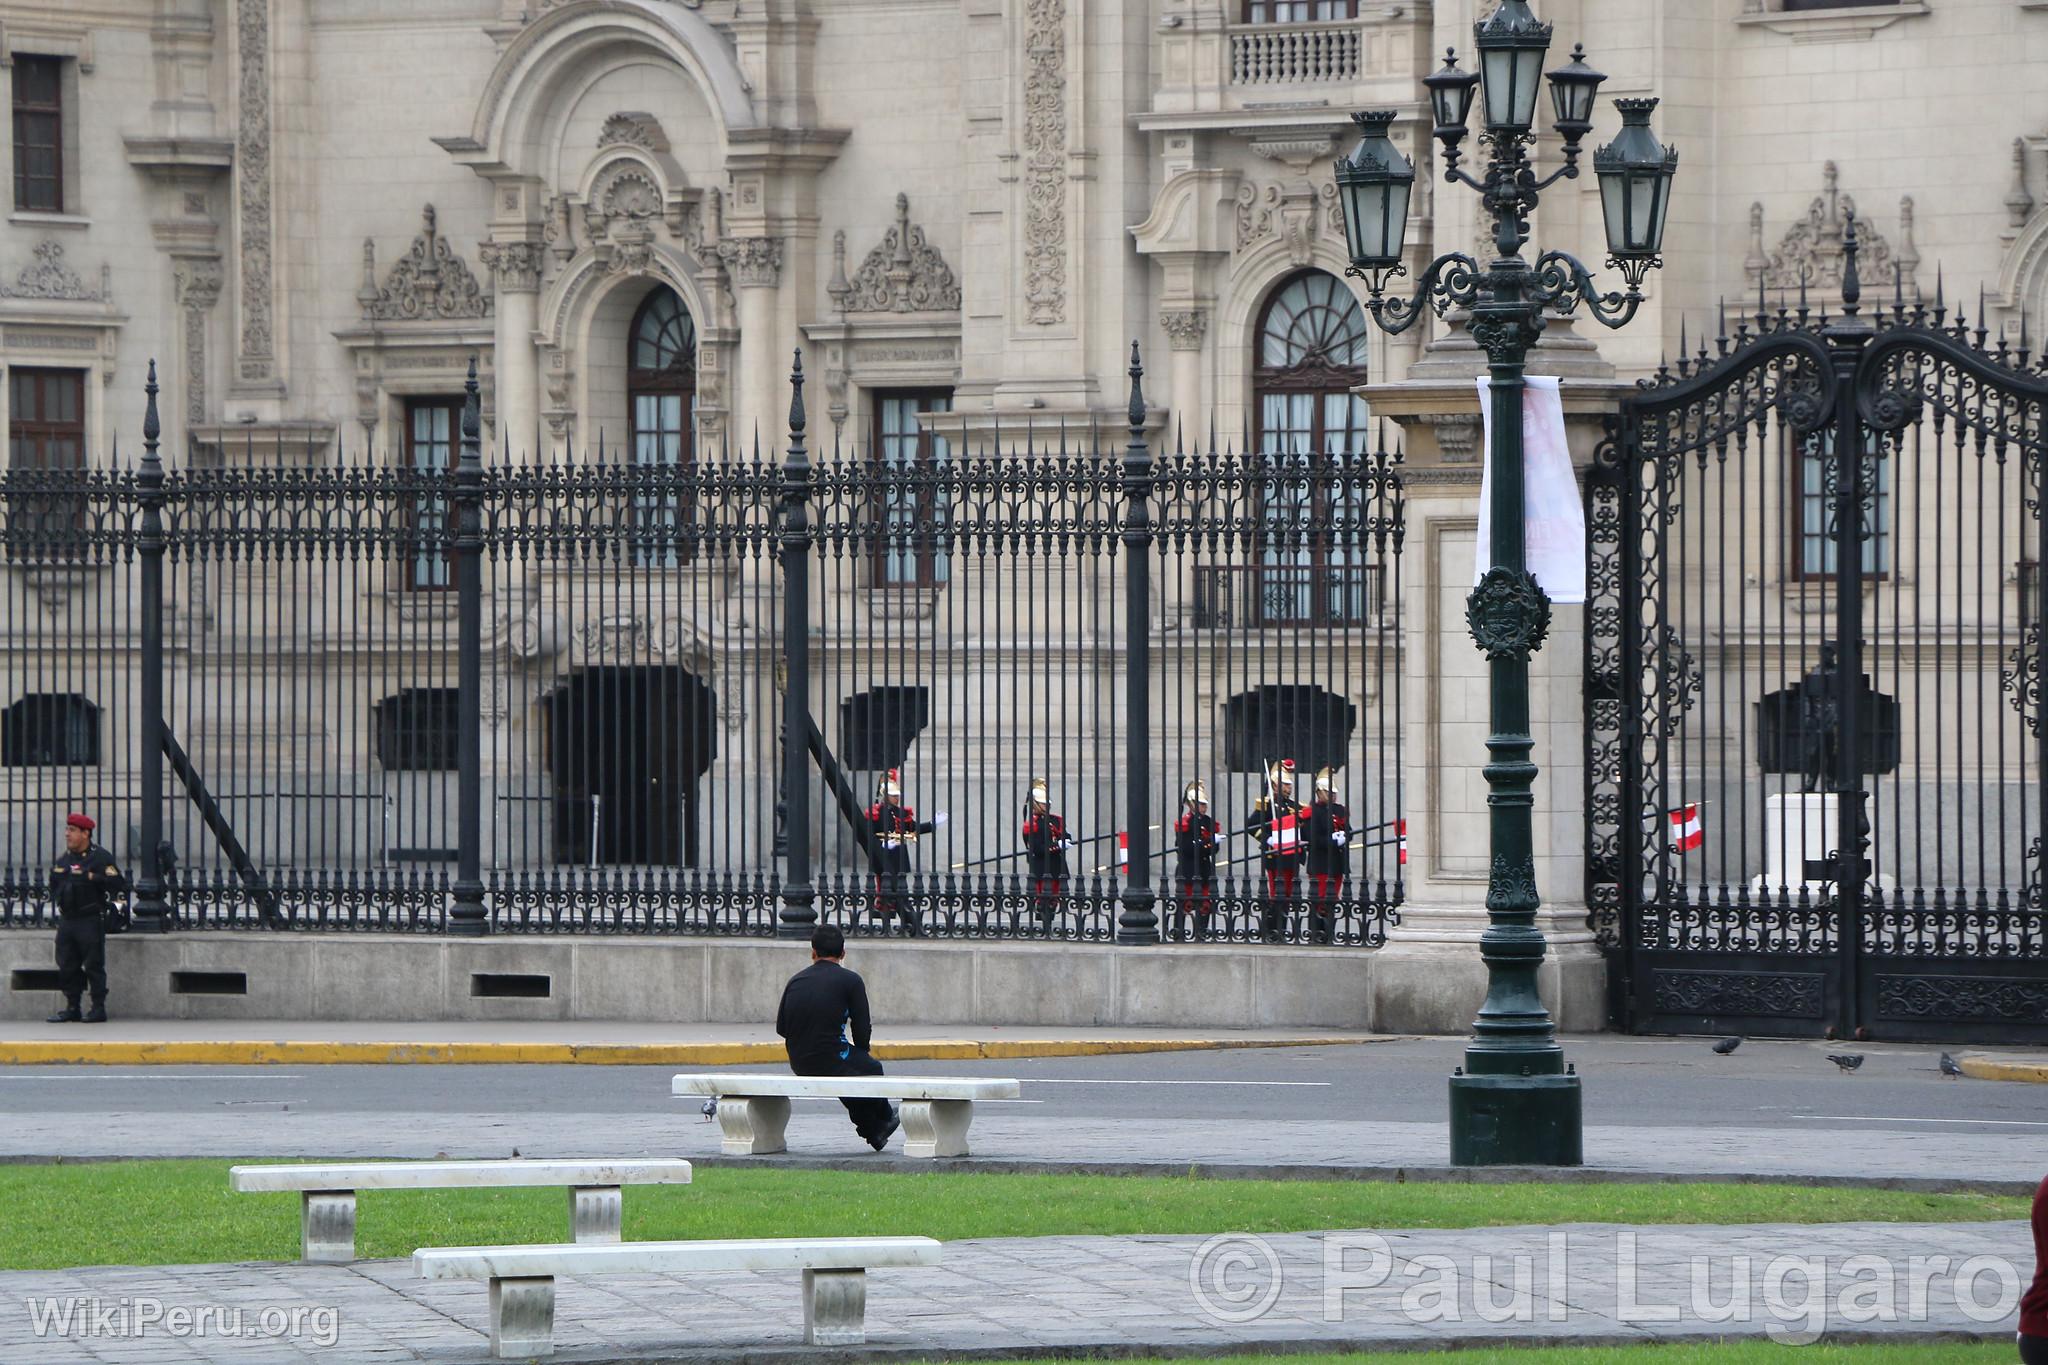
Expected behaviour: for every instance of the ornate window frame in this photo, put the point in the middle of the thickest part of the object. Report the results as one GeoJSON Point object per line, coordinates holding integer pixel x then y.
{"type": "Point", "coordinates": [1849, 23]}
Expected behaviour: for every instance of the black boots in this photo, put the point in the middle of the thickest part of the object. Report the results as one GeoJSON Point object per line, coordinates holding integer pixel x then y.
{"type": "Point", "coordinates": [98, 1013]}
{"type": "Point", "coordinates": [68, 1015]}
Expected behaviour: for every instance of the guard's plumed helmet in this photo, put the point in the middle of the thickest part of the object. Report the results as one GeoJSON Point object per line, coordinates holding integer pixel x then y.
{"type": "Point", "coordinates": [1040, 793]}
{"type": "Point", "coordinates": [891, 783]}
{"type": "Point", "coordinates": [1282, 774]}
{"type": "Point", "coordinates": [1326, 780]}
{"type": "Point", "coordinates": [1195, 794]}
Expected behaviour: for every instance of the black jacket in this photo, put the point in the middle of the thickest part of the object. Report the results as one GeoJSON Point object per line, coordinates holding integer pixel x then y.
{"type": "Point", "coordinates": [1043, 835]}
{"type": "Point", "coordinates": [86, 884]}
{"type": "Point", "coordinates": [1260, 824]}
{"type": "Point", "coordinates": [1195, 840]}
{"type": "Point", "coordinates": [1326, 820]}
{"type": "Point", "coordinates": [892, 849]}
{"type": "Point", "coordinates": [820, 1006]}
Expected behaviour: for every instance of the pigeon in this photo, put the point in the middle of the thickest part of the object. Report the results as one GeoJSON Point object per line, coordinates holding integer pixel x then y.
{"type": "Point", "coordinates": [710, 1109]}
{"type": "Point", "coordinates": [1727, 1045]}
{"type": "Point", "coordinates": [1950, 1066]}
{"type": "Point", "coordinates": [1848, 1061]}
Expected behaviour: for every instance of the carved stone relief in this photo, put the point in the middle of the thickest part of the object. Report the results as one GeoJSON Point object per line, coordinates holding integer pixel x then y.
{"type": "Point", "coordinates": [632, 129]}
{"type": "Point", "coordinates": [515, 266]}
{"type": "Point", "coordinates": [1810, 256]}
{"type": "Point", "coordinates": [1045, 161]}
{"type": "Point", "coordinates": [1297, 214]}
{"type": "Point", "coordinates": [50, 278]}
{"type": "Point", "coordinates": [429, 281]}
{"type": "Point", "coordinates": [753, 262]}
{"type": "Point", "coordinates": [1185, 328]}
{"type": "Point", "coordinates": [199, 282]}
{"type": "Point", "coordinates": [252, 176]}
{"type": "Point", "coordinates": [903, 274]}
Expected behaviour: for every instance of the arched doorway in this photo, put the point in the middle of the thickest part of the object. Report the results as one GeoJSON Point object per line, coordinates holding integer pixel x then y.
{"type": "Point", "coordinates": [1309, 352]}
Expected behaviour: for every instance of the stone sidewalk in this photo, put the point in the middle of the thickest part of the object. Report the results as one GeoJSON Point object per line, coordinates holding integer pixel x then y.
{"type": "Point", "coordinates": [1004, 1137]}
{"type": "Point", "coordinates": [1580, 1284]}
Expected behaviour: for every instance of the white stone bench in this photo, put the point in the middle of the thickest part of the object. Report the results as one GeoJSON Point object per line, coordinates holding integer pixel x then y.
{"type": "Point", "coordinates": [753, 1110]}
{"type": "Point", "coordinates": [523, 1278]}
{"type": "Point", "coordinates": [328, 1191]}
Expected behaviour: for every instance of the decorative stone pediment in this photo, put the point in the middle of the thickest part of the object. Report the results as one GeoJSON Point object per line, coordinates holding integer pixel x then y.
{"type": "Point", "coordinates": [49, 278]}
{"type": "Point", "coordinates": [430, 282]}
{"type": "Point", "coordinates": [903, 274]}
{"type": "Point", "coordinates": [1810, 256]}
{"type": "Point", "coordinates": [1297, 214]}
{"type": "Point", "coordinates": [633, 129]}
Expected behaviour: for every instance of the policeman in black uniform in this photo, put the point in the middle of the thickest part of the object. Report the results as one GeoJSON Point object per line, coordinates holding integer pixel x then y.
{"type": "Point", "coordinates": [1275, 821]}
{"type": "Point", "coordinates": [1046, 842]}
{"type": "Point", "coordinates": [895, 828]}
{"type": "Point", "coordinates": [1329, 857]}
{"type": "Point", "coordinates": [87, 886]}
{"type": "Point", "coordinates": [1196, 837]}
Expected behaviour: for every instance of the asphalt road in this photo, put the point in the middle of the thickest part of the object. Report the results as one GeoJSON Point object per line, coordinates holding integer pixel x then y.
{"type": "Point", "coordinates": [1648, 1083]}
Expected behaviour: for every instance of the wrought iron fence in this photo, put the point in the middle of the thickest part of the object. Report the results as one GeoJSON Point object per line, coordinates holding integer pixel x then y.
{"type": "Point", "coordinates": [643, 642]}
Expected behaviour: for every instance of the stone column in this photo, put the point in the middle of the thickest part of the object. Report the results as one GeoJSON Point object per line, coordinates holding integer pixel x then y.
{"type": "Point", "coordinates": [1186, 331]}
{"type": "Point", "coordinates": [1429, 978]}
{"type": "Point", "coordinates": [755, 264]}
{"type": "Point", "coordinates": [515, 266]}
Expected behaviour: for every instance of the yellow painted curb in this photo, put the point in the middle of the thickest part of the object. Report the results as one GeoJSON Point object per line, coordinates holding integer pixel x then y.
{"type": "Point", "coordinates": [254, 1053]}
{"type": "Point", "coordinates": [2001, 1069]}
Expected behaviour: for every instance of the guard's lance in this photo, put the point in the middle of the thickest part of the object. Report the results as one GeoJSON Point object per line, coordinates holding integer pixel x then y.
{"type": "Point", "coordinates": [1025, 852]}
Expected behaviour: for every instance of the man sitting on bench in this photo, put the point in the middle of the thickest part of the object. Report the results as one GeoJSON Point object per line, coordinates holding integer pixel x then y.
{"type": "Point", "coordinates": [821, 1005]}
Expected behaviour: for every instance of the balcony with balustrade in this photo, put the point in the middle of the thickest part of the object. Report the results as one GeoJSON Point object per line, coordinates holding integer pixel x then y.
{"type": "Point", "coordinates": [1232, 57]}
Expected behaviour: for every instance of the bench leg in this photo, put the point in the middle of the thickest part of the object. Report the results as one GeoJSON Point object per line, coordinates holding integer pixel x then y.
{"type": "Point", "coordinates": [594, 1213]}
{"type": "Point", "coordinates": [835, 1307]}
{"type": "Point", "coordinates": [327, 1226]}
{"type": "Point", "coordinates": [936, 1127]}
{"type": "Point", "coordinates": [753, 1124]}
{"type": "Point", "coordinates": [523, 1317]}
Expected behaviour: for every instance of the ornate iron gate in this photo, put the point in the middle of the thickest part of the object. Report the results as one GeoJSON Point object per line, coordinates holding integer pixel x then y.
{"type": "Point", "coordinates": [1815, 777]}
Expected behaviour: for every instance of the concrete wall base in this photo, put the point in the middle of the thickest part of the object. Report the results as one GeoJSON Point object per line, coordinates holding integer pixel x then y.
{"type": "Point", "coordinates": [701, 980]}
{"type": "Point", "coordinates": [1438, 987]}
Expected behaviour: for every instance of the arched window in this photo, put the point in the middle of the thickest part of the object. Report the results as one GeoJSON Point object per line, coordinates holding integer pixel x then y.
{"type": "Point", "coordinates": [661, 397]}
{"type": "Point", "coordinates": [1309, 353]}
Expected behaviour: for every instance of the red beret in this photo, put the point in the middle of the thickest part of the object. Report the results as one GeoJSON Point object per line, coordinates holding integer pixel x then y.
{"type": "Point", "coordinates": [80, 820]}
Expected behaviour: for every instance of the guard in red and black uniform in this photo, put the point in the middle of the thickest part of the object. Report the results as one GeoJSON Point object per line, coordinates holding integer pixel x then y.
{"type": "Point", "coordinates": [1046, 842]}
{"type": "Point", "coordinates": [1196, 837]}
{"type": "Point", "coordinates": [87, 887]}
{"type": "Point", "coordinates": [1328, 841]}
{"type": "Point", "coordinates": [1276, 822]}
{"type": "Point", "coordinates": [895, 827]}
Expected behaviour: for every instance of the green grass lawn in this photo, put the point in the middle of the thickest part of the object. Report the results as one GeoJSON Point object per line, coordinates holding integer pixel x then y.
{"type": "Point", "coordinates": [1738, 1353]}
{"type": "Point", "coordinates": [181, 1212]}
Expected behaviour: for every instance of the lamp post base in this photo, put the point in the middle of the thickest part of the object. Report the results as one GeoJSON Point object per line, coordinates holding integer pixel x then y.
{"type": "Point", "coordinates": [1517, 1121]}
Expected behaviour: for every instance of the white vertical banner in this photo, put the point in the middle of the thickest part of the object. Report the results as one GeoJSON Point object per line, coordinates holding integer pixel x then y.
{"type": "Point", "coordinates": [1555, 545]}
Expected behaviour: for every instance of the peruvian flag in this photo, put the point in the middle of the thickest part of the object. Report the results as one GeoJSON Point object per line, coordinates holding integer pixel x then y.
{"type": "Point", "coordinates": [1123, 849]}
{"type": "Point", "coordinates": [1401, 829]}
{"type": "Point", "coordinates": [1286, 833]}
{"type": "Point", "coordinates": [1688, 830]}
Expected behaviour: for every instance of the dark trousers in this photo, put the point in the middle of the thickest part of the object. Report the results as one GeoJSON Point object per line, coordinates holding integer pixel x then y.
{"type": "Point", "coordinates": [869, 1116]}
{"type": "Point", "coordinates": [82, 958]}
{"type": "Point", "coordinates": [1273, 906]}
{"type": "Point", "coordinates": [1197, 897]}
{"type": "Point", "coordinates": [892, 901]}
{"type": "Point", "coordinates": [1325, 889]}
{"type": "Point", "coordinates": [2033, 1350]}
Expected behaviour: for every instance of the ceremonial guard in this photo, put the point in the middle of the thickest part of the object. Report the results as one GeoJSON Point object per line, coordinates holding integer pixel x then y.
{"type": "Point", "coordinates": [1329, 855]}
{"type": "Point", "coordinates": [1046, 842]}
{"type": "Point", "coordinates": [895, 828]}
{"type": "Point", "coordinates": [89, 890]}
{"type": "Point", "coordinates": [1276, 822]}
{"type": "Point", "coordinates": [1196, 836]}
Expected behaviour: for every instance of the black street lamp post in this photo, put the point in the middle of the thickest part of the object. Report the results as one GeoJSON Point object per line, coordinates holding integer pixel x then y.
{"type": "Point", "coordinates": [1515, 1101]}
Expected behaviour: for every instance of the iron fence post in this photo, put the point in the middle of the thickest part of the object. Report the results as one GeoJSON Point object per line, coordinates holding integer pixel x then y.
{"type": "Point", "coordinates": [799, 912]}
{"type": "Point", "coordinates": [467, 914]}
{"type": "Point", "coordinates": [151, 912]}
{"type": "Point", "coordinates": [1139, 922]}
{"type": "Point", "coordinates": [1846, 339]}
